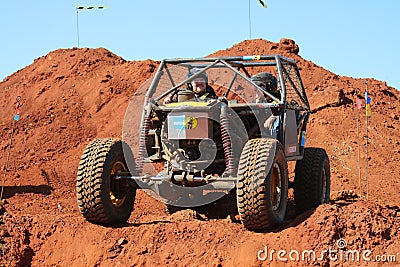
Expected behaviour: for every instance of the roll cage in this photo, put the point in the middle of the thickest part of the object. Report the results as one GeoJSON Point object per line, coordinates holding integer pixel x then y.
{"type": "Point", "coordinates": [289, 82]}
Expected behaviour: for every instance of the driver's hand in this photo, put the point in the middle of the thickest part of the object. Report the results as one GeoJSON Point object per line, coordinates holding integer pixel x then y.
{"type": "Point", "coordinates": [269, 122]}
{"type": "Point", "coordinates": [167, 100]}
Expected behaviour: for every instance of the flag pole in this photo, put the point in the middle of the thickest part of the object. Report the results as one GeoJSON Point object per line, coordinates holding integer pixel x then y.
{"type": "Point", "coordinates": [358, 106]}
{"type": "Point", "coordinates": [84, 8]}
{"type": "Point", "coordinates": [77, 25]}
{"type": "Point", "coordinates": [263, 4]}
{"type": "Point", "coordinates": [16, 118]}
{"type": "Point", "coordinates": [367, 114]}
{"type": "Point", "coordinates": [249, 19]}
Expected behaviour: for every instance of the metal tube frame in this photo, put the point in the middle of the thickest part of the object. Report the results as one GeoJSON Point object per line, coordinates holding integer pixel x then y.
{"type": "Point", "coordinates": [240, 62]}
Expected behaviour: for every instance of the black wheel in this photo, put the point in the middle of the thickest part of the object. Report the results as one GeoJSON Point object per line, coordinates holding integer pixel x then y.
{"type": "Point", "coordinates": [312, 180]}
{"type": "Point", "coordinates": [262, 184]}
{"type": "Point", "coordinates": [102, 198]}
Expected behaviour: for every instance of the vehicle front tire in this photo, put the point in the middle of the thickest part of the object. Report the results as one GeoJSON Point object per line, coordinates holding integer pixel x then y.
{"type": "Point", "coordinates": [262, 184]}
{"type": "Point", "coordinates": [102, 198]}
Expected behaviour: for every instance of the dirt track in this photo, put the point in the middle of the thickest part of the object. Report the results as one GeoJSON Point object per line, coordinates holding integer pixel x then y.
{"type": "Point", "coordinates": [71, 96]}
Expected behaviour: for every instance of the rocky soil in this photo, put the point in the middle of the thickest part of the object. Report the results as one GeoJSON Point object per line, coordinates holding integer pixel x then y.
{"type": "Point", "coordinates": [71, 96]}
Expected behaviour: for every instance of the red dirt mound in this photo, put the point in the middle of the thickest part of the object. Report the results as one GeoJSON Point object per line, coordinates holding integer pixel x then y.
{"type": "Point", "coordinates": [72, 96]}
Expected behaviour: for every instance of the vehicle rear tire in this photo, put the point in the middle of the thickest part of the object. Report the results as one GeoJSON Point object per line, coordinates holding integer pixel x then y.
{"type": "Point", "coordinates": [262, 184]}
{"type": "Point", "coordinates": [101, 198]}
{"type": "Point", "coordinates": [312, 180]}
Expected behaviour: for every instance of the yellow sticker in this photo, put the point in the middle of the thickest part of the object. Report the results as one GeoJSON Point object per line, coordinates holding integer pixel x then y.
{"type": "Point", "coordinates": [190, 122]}
{"type": "Point", "coordinates": [256, 57]}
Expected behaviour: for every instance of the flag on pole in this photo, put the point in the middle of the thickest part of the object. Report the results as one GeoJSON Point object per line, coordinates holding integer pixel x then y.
{"type": "Point", "coordinates": [358, 103]}
{"type": "Point", "coordinates": [17, 110]}
{"type": "Point", "coordinates": [263, 3]}
{"type": "Point", "coordinates": [368, 107]}
{"type": "Point", "coordinates": [91, 7]}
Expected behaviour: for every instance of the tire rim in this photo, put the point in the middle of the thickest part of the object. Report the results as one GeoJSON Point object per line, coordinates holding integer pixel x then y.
{"type": "Point", "coordinates": [276, 187]}
{"type": "Point", "coordinates": [115, 194]}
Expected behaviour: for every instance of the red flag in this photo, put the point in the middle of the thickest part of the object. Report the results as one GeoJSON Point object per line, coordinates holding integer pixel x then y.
{"type": "Point", "coordinates": [358, 103]}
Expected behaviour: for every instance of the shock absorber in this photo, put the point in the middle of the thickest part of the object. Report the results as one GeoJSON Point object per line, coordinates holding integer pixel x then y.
{"type": "Point", "coordinates": [143, 139]}
{"type": "Point", "coordinates": [226, 140]}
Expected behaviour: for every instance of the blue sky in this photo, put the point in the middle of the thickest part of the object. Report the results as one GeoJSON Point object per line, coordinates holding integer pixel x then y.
{"type": "Point", "coordinates": [352, 38]}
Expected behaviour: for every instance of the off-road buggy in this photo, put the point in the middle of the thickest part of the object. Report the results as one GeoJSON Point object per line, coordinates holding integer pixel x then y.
{"type": "Point", "coordinates": [210, 149]}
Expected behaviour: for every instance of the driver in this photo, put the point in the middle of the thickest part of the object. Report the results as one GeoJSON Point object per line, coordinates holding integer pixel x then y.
{"type": "Point", "coordinates": [269, 82]}
{"type": "Point", "coordinates": [202, 91]}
